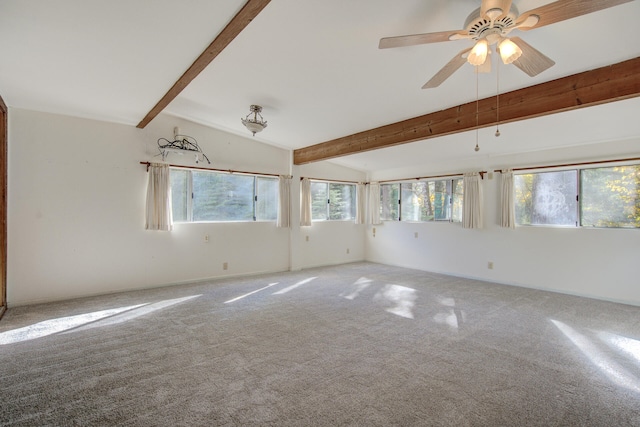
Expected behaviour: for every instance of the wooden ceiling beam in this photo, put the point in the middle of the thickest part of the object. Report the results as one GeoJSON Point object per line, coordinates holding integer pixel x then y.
{"type": "Point", "coordinates": [607, 84]}
{"type": "Point", "coordinates": [249, 11]}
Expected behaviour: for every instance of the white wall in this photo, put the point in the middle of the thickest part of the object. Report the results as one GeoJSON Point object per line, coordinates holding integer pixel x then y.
{"type": "Point", "coordinates": [76, 211]}
{"type": "Point", "coordinates": [325, 242]}
{"type": "Point", "coordinates": [600, 263]}
{"type": "Point", "coordinates": [76, 220]}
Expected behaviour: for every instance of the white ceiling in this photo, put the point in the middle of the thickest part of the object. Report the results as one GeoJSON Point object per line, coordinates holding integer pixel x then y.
{"type": "Point", "coordinates": [313, 65]}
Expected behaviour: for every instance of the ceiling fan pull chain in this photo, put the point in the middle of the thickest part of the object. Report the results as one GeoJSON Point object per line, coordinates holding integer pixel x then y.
{"type": "Point", "coordinates": [498, 100]}
{"type": "Point", "coordinates": [477, 102]}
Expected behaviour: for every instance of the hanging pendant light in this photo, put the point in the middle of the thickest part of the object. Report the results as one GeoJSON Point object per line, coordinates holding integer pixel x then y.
{"type": "Point", "coordinates": [254, 121]}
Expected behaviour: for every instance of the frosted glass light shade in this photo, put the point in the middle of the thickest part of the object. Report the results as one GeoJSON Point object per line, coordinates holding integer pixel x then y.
{"type": "Point", "coordinates": [478, 54]}
{"type": "Point", "coordinates": [509, 51]}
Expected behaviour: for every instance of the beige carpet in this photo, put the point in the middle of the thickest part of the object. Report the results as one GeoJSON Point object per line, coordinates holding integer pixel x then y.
{"type": "Point", "coordinates": [359, 344]}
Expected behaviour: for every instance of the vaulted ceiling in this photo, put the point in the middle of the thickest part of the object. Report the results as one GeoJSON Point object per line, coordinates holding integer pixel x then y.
{"type": "Point", "coordinates": [315, 67]}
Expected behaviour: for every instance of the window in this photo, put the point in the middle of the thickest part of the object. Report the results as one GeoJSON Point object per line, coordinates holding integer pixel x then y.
{"type": "Point", "coordinates": [180, 189]}
{"type": "Point", "coordinates": [215, 196]}
{"type": "Point", "coordinates": [267, 198]}
{"type": "Point", "coordinates": [332, 201]}
{"type": "Point", "coordinates": [457, 195]}
{"type": "Point", "coordinates": [608, 197]}
{"type": "Point", "coordinates": [548, 198]}
{"type": "Point", "coordinates": [319, 201]}
{"type": "Point", "coordinates": [439, 200]}
{"type": "Point", "coordinates": [389, 202]}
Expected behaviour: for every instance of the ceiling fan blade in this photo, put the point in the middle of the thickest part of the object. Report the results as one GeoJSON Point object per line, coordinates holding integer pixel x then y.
{"type": "Point", "coordinates": [415, 39]}
{"type": "Point", "coordinates": [562, 10]}
{"type": "Point", "coordinates": [532, 61]}
{"type": "Point", "coordinates": [493, 5]}
{"type": "Point", "coordinates": [446, 71]}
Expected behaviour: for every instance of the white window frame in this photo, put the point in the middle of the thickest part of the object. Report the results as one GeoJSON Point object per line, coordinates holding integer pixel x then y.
{"type": "Point", "coordinates": [190, 195]}
{"type": "Point", "coordinates": [449, 184]}
{"type": "Point", "coordinates": [578, 196]}
{"type": "Point", "coordinates": [328, 204]}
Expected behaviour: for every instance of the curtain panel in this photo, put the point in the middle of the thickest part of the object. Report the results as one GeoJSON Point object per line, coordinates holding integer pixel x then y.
{"type": "Point", "coordinates": [284, 201]}
{"type": "Point", "coordinates": [305, 202]}
{"type": "Point", "coordinates": [158, 210]}
{"type": "Point", "coordinates": [472, 201]}
{"type": "Point", "coordinates": [507, 200]}
{"type": "Point", "coordinates": [361, 204]}
{"type": "Point", "coordinates": [374, 203]}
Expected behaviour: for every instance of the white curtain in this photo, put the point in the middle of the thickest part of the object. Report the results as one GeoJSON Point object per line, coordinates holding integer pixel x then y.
{"type": "Point", "coordinates": [158, 213]}
{"type": "Point", "coordinates": [374, 203]}
{"type": "Point", "coordinates": [472, 201]}
{"type": "Point", "coordinates": [507, 208]}
{"type": "Point", "coordinates": [305, 202]}
{"type": "Point", "coordinates": [284, 201]}
{"type": "Point", "coordinates": [361, 203]}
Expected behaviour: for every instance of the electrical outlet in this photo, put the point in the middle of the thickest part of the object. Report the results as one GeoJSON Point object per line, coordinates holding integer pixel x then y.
{"type": "Point", "coordinates": [415, 234]}
{"type": "Point", "coordinates": [206, 238]}
{"type": "Point", "coordinates": [225, 265]}
{"type": "Point", "coordinates": [490, 265]}
{"type": "Point", "coordinates": [347, 250]}
{"type": "Point", "coordinates": [306, 238]}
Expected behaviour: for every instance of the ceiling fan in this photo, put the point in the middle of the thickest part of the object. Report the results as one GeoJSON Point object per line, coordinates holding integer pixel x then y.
{"type": "Point", "coordinates": [490, 25]}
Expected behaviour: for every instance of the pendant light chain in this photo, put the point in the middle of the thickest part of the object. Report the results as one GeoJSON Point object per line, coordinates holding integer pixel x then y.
{"type": "Point", "coordinates": [477, 102]}
{"type": "Point", "coordinates": [498, 100]}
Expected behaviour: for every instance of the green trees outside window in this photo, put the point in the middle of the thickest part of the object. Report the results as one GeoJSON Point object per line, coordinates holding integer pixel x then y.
{"type": "Point", "coordinates": [332, 201]}
{"type": "Point", "coordinates": [594, 197]}
{"type": "Point", "coordinates": [610, 197]}
{"type": "Point", "coordinates": [547, 198]}
{"type": "Point", "coordinates": [214, 196]}
{"type": "Point", "coordinates": [390, 202]}
{"type": "Point", "coordinates": [420, 201]}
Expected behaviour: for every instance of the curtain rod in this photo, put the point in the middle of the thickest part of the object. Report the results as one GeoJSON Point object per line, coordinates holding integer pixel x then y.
{"type": "Point", "coordinates": [429, 177]}
{"type": "Point", "coordinates": [213, 169]}
{"type": "Point", "coordinates": [597, 162]}
{"type": "Point", "coordinates": [333, 180]}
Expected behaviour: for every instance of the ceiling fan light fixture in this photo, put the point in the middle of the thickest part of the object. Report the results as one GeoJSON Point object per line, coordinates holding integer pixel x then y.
{"type": "Point", "coordinates": [478, 54]}
{"type": "Point", "coordinates": [509, 51]}
{"type": "Point", "coordinates": [254, 121]}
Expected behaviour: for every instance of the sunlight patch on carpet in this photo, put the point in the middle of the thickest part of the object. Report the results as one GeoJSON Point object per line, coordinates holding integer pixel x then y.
{"type": "Point", "coordinates": [137, 312]}
{"type": "Point", "coordinates": [402, 298]}
{"type": "Point", "coordinates": [292, 287]}
{"type": "Point", "coordinates": [451, 315]}
{"type": "Point", "coordinates": [251, 293]}
{"type": "Point", "coordinates": [360, 285]}
{"type": "Point", "coordinates": [615, 372]}
{"type": "Point", "coordinates": [54, 326]}
{"type": "Point", "coordinates": [85, 321]}
{"type": "Point", "coordinates": [628, 346]}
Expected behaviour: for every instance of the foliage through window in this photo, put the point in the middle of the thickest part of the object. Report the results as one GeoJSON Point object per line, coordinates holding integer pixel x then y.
{"type": "Point", "coordinates": [332, 201]}
{"type": "Point", "coordinates": [547, 198]}
{"type": "Point", "coordinates": [216, 196]}
{"type": "Point", "coordinates": [610, 197]}
{"type": "Point", "coordinates": [594, 197]}
{"type": "Point", "coordinates": [420, 201]}
{"type": "Point", "coordinates": [390, 202]}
